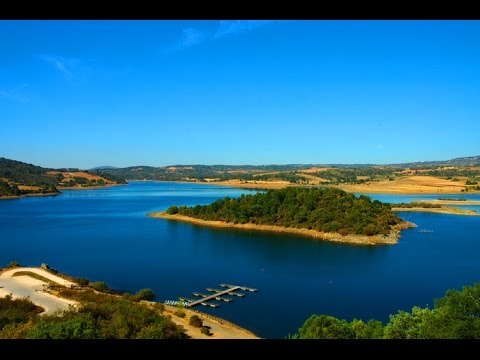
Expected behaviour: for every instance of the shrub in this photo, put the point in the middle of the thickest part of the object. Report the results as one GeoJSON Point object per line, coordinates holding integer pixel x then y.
{"type": "Point", "coordinates": [99, 286]}
{"type": "Point", "coordinates": [180, 313]}
{"type": "Point", "coordinates": [205, 330]}
{"type": "Point", "coordinates": [145, 294]}
{"type": "Point", "coordinates": [13, 264]}
{"type": "Point", "coordinates": [78, 326]}
{"type": "Point", "coordinates": [82, 281]}
{"type": "Point", "coordinates": [195, 321]}
{"type": "Point", "coordinates": [13, 312]}
{"type": "Point", "coordinates": [162, 330]}
{"type": "Point", "coordinates": [159, 306]}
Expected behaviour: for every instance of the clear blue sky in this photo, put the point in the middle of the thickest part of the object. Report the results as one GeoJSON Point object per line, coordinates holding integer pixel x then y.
{"type": "Point", "coordinates": [121, 93]}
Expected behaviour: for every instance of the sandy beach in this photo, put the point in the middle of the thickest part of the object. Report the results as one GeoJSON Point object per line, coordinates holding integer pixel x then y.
{"type": "Point", "coordinates": [391, 238]}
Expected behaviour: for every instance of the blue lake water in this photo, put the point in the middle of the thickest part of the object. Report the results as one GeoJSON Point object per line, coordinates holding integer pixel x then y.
{"type": "Point", "coordinates": [104, 235]}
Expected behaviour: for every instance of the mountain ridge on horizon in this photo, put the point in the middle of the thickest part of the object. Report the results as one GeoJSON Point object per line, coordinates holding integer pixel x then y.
{"type": "Point", "coordinates": [458, 161]}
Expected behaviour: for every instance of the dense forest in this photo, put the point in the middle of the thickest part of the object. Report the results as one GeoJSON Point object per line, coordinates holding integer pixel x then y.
{"type": "Point", "coordinates": [19, 178]}
{"type": "Point", "coordinates": [454, 316]}
{"type": "Point", "coordinates": [328, 210]}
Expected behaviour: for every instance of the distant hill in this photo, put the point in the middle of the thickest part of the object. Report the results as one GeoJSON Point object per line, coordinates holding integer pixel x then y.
{"type": "Point", "coordinates": [461, 161]}
{"type": "Point", "coordinates": [19, 178]}
{"type": "Point", "coordinates": [103, 168]}
{"type": "Point", "coordinates": [300, 174]}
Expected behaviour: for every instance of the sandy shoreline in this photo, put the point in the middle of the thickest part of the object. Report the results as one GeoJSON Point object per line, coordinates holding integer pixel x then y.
{"type": "Point", "coordinates": [452, 202]}
{"type": "Point", "coordinates": [88, 187]}
{"type": "Point", "coordinates": [392, 238]}
{"type": "Point", "coordinates": [442, 210]}
{"type": "Point", "coordinates": [60, 188]}
{"type": "Point", "coordinates": [11, 197]}
{"type": "Point", "coordinates": [221, 328]}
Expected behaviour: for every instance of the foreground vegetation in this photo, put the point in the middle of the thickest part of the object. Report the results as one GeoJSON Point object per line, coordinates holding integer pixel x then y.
{"type": "Point", "coordinates": [99, 316]}
{"type": "Point", "coordinates": [454, 316]}
{"type": "Point", "coordinates": [327, 210]}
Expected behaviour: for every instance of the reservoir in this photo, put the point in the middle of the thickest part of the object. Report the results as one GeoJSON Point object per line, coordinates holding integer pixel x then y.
{"type": "Point", "coordinates": [105, 235]}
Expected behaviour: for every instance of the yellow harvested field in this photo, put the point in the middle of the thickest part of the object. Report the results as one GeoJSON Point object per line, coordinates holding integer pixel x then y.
{"type": "Point", "coordinates": [29, 188]}
{"type": "Point", "coordinates": [415, 184]}
{"type": "Point", "coordinates": [67, 175]}
{"type": "Point", "coordinates": [254, 184]}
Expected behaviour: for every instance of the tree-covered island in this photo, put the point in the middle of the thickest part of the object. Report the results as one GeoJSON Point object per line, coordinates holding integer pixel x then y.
{"type": "Point", "coordinates": [329, 214]}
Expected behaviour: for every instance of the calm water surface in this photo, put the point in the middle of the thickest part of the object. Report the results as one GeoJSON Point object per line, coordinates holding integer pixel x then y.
{"type": "Point", "coordinates": [105, 235]}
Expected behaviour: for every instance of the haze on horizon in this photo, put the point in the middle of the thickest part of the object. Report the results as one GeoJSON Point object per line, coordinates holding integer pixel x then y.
{"type": "Point", "coordinates": [122, 93]}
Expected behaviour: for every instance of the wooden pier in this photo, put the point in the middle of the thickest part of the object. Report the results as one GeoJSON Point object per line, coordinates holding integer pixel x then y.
{"type": "Point", "coordinates": [217, 295]}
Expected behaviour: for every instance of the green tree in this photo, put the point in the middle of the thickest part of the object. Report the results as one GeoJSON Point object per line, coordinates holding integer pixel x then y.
{"type": "Point", "coordinates": [403, 325]}
{"type": "Point", "coordinates": [172, 210]}
{"type": "Point", "coordinates": [372, 329]}
{"type": "Point", "coordinates": [454, 316]}
{"type": "Point", "coordinates": [326, 327]}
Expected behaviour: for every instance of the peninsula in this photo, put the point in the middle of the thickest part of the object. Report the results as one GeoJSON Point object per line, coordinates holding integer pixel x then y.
{"type": "Point", "coordinates": [328, 214]}
{"type": "Point", "coordinates": [433, 207]}
{"type": "Point", "coordinates": [21, 179]}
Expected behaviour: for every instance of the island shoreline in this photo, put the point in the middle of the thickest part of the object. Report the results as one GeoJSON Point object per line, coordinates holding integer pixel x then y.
{"type": "Point", "coordinates": [391, 238]}
{"type": "Point", "coordinates": [441, 210]}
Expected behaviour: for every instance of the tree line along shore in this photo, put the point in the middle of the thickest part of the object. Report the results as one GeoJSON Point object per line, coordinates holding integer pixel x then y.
{"type": "Point", "coordinates": [458, 176]}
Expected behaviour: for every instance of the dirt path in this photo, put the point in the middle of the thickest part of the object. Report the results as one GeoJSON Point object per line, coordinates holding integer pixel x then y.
{"type": "Point", "coordinates": [35, 289]}
{"type": "Point", "coordinates": [220, 329]}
